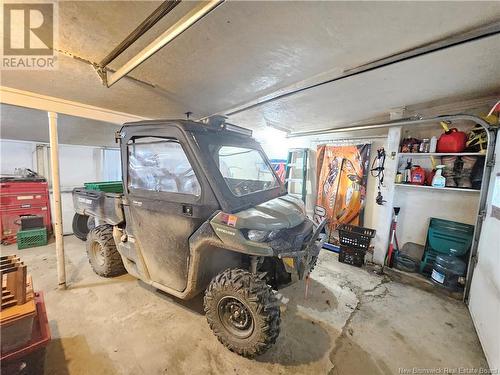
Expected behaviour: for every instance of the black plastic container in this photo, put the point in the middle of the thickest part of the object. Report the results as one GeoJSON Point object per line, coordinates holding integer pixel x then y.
{"type": "Point", "coordinates": [352, 256]}
{"type": "Point", "coordinates": [354, 236]}
{"type": "Point", "coordinates": [32, 222]}
{"type": "Point", "coordinates": [405, 263]}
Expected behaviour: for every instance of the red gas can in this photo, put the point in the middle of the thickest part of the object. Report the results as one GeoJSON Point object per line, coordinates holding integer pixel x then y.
{"type": "Point", "coordinates": [20, 198]}
{"type": "Point", "coordinates": [452, 141]}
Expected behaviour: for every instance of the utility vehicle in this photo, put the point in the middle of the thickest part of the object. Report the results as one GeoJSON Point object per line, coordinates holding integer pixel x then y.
{"type": "Point", "coordinates": [202, 210]}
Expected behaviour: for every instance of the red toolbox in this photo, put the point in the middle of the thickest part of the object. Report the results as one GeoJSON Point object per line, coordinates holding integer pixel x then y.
{"type": "Point", "coordinates": [22, 198]}
{"type": "Point", "coordinates": [30, 358]}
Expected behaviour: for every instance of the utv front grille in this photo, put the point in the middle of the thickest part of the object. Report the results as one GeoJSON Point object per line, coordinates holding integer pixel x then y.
{"type": "Point", "coordinates": [292, 239]}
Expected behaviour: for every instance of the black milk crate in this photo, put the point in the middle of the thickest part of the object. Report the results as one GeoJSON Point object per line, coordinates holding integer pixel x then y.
{"type": "Point", "coordinates": [356, 237]}
{"type": "Point", "coordinates": [31, 222]}
{"type": "Point", "coordinates": [352, 256]}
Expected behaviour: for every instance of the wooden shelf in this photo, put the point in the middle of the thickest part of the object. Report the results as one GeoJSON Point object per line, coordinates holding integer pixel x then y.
{"type": "Point", "coordinates": [425, 187]}
{"type": "Point", "coordinates": [422, 154]}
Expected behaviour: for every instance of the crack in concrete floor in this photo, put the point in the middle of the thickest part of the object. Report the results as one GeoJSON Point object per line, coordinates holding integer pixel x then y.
{"type": "Point", "coordinates": [361, 295]}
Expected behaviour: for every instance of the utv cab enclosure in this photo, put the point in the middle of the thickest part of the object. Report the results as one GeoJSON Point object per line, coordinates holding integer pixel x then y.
{"type": "Point", "coordinates": [202, 210]}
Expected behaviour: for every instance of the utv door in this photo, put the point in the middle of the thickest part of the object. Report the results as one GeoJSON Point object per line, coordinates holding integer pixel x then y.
{"type": "Point", "coordinates": [169, 198]}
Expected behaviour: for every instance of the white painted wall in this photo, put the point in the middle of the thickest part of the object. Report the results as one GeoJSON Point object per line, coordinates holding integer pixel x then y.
{"type": "Point", "coordinates": [78, 164]}
{"type": "Point", "coordinates": [382, 215]}
{"type": "Point", "coordinates": [418, 206]}
{"type": "Point", "coordinates": [15, 154]}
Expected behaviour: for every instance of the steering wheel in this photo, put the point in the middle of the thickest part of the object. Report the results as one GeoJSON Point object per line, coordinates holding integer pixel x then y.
{"type": "Point", "coordinates": [241, 188]}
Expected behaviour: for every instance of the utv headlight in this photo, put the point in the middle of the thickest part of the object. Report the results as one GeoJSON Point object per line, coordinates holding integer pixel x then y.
{"type": "Point", "coordinates": [258, 235]}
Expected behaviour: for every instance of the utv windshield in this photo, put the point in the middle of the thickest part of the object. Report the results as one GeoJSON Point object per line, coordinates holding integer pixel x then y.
{"type": "Point", "coordinates": [244, 170]}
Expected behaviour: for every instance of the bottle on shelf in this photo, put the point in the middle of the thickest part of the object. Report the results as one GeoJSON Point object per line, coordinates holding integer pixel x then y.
{"type": "Point", "coordinates": [438, 180]}
{"type": "Point", "coordinates": [433, 144]}
{"type": "Point", "coordinates": [417, 175]}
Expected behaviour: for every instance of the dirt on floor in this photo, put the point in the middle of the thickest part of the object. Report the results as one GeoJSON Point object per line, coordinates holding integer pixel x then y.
{"type": "Point", "coordinates": [352, 322]}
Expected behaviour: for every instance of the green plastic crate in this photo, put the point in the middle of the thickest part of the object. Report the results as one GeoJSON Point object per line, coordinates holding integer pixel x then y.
{"type": "Point", "coordinates": [449, 237]}
{"type": "Point", "coordinates": [106, 186]}
{"type": "Point", "coordinates": [31, 238]}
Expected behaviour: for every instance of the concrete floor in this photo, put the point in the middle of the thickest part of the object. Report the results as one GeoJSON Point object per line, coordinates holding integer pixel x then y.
{"type": "Point", "coordinates": [353, 322]}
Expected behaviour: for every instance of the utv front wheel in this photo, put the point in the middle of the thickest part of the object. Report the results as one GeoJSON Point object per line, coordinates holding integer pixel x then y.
{"type": "Point", "coordinates": [103, 255]}
{"type": "Point", "coordinates": [242, 312]}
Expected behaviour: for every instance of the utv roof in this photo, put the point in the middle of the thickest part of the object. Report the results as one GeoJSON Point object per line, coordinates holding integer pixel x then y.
{"type": "Point", "coordinates": [214, 123]}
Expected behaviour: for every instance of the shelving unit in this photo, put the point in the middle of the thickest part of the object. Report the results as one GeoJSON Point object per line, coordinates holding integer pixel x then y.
{"type": "Point", "coordinates": [403, 155]}
{"type": "Point", "coordinates": [423, 154]}
{"type": "Point", "coordinates": [463, 190]}
{"type": "Point", "coordinates": [419, 203]}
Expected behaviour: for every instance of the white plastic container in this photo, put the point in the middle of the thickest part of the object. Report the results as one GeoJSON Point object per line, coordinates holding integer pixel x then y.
{"type": "Point", "coordinates": [433, 144]}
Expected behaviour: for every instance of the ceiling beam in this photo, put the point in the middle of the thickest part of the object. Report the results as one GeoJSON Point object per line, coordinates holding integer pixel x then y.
{"type": "Point", "coordinates": [160, 12]}
{"type": "Point", "coordinates": [33, 100]}
{"type": "Point", "coordinates": [170, 34]}
{"type": "Point", "coordinates": [459, 38]}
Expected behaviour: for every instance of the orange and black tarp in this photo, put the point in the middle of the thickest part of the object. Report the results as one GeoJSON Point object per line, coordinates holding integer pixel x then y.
{"type": "Point", "coordinates": [342, 176]}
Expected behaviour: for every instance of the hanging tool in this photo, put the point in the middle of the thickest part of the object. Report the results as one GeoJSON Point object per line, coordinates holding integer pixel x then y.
{"type": "Point", "coordinates": [407, 175]}
{"type": "Point", "coordinates": [393, 245]}
{"type": "Point", "coordinates": [377, 171]}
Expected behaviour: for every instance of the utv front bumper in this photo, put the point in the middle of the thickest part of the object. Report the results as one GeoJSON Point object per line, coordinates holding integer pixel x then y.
{"type": "Point", "coordinates": [300, 262]}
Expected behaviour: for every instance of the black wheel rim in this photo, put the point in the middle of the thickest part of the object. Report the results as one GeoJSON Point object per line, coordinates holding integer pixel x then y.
{"type": "Point", "coordinates": [235, 316]}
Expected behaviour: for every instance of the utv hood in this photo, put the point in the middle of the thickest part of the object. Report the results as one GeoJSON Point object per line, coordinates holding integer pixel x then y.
{"type": "Point", "coordinates": [278, 213]}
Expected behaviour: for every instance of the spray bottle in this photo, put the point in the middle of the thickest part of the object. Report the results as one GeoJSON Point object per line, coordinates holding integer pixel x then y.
{"type": "Point", "coordinates": [438, 180]}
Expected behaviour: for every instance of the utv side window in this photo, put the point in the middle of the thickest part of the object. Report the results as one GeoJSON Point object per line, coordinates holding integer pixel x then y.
{"type": "Point", "coordinates": [160, 165]}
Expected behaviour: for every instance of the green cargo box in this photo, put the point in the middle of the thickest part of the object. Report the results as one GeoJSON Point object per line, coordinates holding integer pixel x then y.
{"type": "Point", "coordinates": [31, 238]}
{"type": "Point", "coordinates": [106, 186]}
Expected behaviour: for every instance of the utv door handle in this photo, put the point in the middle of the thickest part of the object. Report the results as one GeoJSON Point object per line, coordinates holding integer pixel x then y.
{"type": "Point", "coordinates": [187, 209]}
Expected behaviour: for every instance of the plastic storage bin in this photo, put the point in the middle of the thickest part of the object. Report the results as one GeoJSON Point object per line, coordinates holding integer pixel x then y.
{"type": "Point", "coordinates": [17, 325]}
{"type": "Point", "coordinates": [30, 357]}
{"type": "Point", "coordinates": [353, 236]}
{"type": "Point", "coordinates": [31, 238]}
{"type": "Point", "coordinates": [354, 257]}
{"type": "Point", "coordinates": [106, 186]}
{"type": "Point", "coordinates": [450, 237]}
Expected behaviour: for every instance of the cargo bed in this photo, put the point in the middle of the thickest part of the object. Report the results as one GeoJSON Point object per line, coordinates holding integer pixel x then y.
{"type": "Point", "coordinates": [102, 205]}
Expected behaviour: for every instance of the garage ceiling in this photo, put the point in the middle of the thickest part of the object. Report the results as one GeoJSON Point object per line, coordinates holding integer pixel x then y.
{"type": "Point", "coordinates": [245, 51]}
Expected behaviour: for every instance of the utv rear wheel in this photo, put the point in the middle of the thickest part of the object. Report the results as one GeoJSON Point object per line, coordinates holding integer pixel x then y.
{"type": "Point", "coordinates": [80, 226]}
{"type": "Point", "coordinates": [242, 312]}
{"type": "Point", "coordinates": [103, 255]}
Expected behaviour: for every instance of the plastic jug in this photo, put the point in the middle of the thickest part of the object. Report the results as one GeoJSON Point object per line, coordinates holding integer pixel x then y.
{"type": "Point", "coordinates": [452, 140]}
{"type": "Point", "coordinates": [418, 175]}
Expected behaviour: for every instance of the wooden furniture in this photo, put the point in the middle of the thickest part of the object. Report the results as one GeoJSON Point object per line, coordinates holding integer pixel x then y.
{"type": "Point", "coordinates": [14, 281]}
{"type": "Point", "coordinates": [18, 308]}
